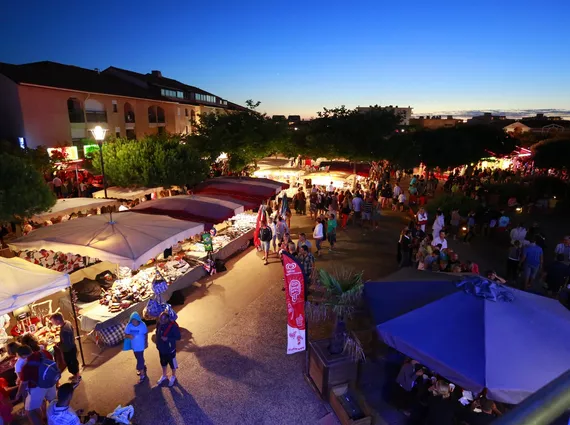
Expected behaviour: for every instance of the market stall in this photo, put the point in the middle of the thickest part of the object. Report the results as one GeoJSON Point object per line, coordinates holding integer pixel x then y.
{"type": "Point", "coordinates": [280, 174]}
{"type": "Point", "coordinates": [339, 179]}
{"type": "Point", "coordinates": [129, 194]}
{"type": "Point", "coordinates": [23, 286]}
{"type": "Point", "coordinates": [114, 264]}
{"type": "Point", "coordinates": [204, 209]}
{"type": "Point", "coordinates": [479, 335]}
{"type": "Point", "coordinates": [241, 187]}
{"type": "Point", "coordinates": [68, 206]}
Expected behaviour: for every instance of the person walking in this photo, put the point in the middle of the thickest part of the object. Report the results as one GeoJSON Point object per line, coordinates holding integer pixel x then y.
{"type": "Point", "coordinates": [137, 333]}
{"type": "Point", "coordinates": [59, 412]}
{"type": "Point", "coordinates": [167, 333]}
{"type": "Point", "coordinates": [318, 235]}
{"type": "Point", "coordinates": [265, 236]}
{"type": "Point", "coordinates": [422, 218]}
{"type": "Point", "coordinates": [67, 345]}
{"type": "Point", "coordinates": [331, 231]}
{"type": "Point", "coordinates": [531, 261]}
{"type": "Point", "coordinates": [438, 223]}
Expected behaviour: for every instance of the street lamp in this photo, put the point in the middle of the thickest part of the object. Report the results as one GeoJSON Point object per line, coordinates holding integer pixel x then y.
{"type": "Point", "coordinates": [99, 135]}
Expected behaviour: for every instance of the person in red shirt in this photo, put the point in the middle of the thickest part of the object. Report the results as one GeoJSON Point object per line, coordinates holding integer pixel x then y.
{"type": "Point", "coordinates": [34, 403]}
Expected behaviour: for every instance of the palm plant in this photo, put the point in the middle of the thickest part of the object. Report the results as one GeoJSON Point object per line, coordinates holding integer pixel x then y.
{"type": "Point", "coordinates": [337, 295]}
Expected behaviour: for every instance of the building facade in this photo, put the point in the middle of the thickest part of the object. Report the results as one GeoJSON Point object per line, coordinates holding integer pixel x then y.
{"type": "Point", "coordinates": [51, 104]}
{"type": "Point", "coordinates": [435, 122]}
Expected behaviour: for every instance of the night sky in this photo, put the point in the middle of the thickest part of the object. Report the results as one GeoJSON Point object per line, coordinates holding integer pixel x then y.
{"type": "Point", "coordinates": [296, 57]}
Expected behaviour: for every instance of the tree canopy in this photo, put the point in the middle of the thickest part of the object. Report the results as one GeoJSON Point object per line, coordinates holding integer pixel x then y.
{"type": "Point", "coordinates": [23, 190]}
{"type": "Point", "coordinates": [452, 147]}
{"type": "Point", "coordinates": [151, 162]}
{"type": "Point", "coordinates": [245, 136]}
{"type": "Point", "coordinates": [552, 153]}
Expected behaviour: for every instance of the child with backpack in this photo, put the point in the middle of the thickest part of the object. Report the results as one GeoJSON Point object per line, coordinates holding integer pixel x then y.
{"type": "Point", "coordinates": [136, 334]}
{"type": "Point", "coordinates": [167, 333]}
{"type": "Point", "coordinates": [40, 375]}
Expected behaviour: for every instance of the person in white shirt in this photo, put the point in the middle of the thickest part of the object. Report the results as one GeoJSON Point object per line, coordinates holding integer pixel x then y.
{"type": "Point", "coordinates": [60, 413]}
{"type": "Point", "coordinates": [318, 235]}
{"type": "Point", "coordinates": [438, 223]}
{"type": "Point", "coordinates": [440, 239]}
{"type": "Point", "coordinates": [402, 201]}
{"type": "Point", "coordinates": [563, 248]}
{"type": "Point", "coordinates": [357, 202]}
{"type": "Point", "coordinates": [330, 189]}
{"type": "Point", "coordinates": [518, 233]}
{"type": "Point", "coordinates": [422, 218]}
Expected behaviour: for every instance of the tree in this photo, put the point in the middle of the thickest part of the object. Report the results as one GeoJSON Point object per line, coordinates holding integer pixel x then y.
{"type": "Point", "coordinates": [351, 134]}
{"type": "Point", "coordinates": [38, 158]}
{"type": "Point", "coordinates": [23, 190]}
{"type": "Point", "coordinates": [552, 153]}
{"type": "Point", "coordinates": [245, 136]}
{"type": "Point", "coordinates": [452, 147]}
{"type": "Point", "coordinates": [151, 162]}
{"type": "Point", "coordinates": [337, 295]}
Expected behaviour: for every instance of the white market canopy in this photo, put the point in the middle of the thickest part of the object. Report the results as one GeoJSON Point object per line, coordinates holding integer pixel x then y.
{"type": "Point", "coordinates": [278, 172]}
{"type": "Point", "coordinates": [22, 283]}
{"type": "Point", "coordinates": [73, 205]}
{"type": "Point", "coordinates": [116, 192]}
{"type": "Point", "coordinates": [130, 240]}
{"type": "Point", "coordinates": [324, 178]}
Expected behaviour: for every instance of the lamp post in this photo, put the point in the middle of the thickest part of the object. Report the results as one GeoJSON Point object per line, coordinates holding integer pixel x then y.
{"type": "Point", "coordinates": [99, 135]}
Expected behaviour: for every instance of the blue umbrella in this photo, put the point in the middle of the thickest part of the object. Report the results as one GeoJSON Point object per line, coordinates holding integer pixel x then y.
{"type": "Point", "coordinates": [475, 333]}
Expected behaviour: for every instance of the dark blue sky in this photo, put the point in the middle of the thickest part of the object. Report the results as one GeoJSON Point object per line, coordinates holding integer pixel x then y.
{"type": "Point", "coordinates": [296, 57]}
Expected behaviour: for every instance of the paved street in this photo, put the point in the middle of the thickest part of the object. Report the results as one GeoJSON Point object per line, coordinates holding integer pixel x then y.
{"type": "Point", "coordinates": [233, 366]}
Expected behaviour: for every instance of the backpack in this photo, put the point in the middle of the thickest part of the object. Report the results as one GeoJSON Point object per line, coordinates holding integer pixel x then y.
{"type": "Point", "coordinates": [48, 372]}
{"type": "Point", "coordinates": [265, 234]}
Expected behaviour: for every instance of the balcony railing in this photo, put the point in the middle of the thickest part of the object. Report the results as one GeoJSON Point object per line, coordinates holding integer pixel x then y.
{"type": "Point", "coordinates": [76, 116]}
{"type": "Point", "coordinates": [96, 116]}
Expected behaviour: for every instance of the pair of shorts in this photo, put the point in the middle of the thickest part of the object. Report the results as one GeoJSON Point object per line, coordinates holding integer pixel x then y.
{"type": "Point", "coordinates": [36, 396]}
{"type": "Point", "coordinates": [168, 359]}
{"type": "Point", "coordinates": [530, 272]}
{"type": "Point", "coordinates": [265, 245]}
{"type": "Point", "coordinates": [366, 216]}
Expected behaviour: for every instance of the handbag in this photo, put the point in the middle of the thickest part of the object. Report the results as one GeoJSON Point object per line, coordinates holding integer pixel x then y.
{"type": "Point", "coordinates": [159, 285]}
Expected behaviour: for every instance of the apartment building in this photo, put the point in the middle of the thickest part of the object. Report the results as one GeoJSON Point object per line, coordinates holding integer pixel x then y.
{"type": "Point", "coordinates": [51, 104]}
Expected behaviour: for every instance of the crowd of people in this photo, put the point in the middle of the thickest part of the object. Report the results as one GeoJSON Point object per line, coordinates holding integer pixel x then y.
{"type": "Point", "coordinates": [429, 399]}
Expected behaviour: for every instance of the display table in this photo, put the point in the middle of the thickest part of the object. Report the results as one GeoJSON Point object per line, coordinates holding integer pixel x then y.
{"type": "Point", "coordinates": [234, 246]}
{"type": "Point", "coordinates": [95, 316]}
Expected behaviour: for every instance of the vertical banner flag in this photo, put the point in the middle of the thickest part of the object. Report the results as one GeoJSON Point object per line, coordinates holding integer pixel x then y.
{"type": "Point", "coordinates": [295, 296]}
{"type": "Point", "coordinates": [260, 218]}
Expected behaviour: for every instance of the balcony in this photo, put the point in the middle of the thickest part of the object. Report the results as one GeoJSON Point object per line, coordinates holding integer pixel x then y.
{"type": "Point", "coordinates": [76, 116]}
{"type": "Point", "coordinates": [96, 116]}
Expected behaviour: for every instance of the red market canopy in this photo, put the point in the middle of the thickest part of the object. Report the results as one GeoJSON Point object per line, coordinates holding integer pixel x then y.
{"type": "Point", "coordinates": [200, 208]}
{"type": "Point", "coordinates": [241, 187]}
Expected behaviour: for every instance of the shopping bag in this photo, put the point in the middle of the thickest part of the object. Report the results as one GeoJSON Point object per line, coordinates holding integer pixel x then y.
{"type": "Point", "coordinates": [159, 285]}
{"type": "Point", "coordinates": [127, 346]}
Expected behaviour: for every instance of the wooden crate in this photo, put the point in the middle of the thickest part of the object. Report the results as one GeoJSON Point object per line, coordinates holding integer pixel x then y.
{"type": "Point", "coordinates": [343, 416]}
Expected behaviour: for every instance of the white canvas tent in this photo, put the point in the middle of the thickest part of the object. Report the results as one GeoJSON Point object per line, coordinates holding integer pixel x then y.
{"type": "Point", "coordinates": [116, 192]}
{"type": "Point", "coordinates": [73, 205]}
{"type": "Point", "coordinates": [22, 283]}
{"type": "Point", "coordinates": [129, 240]}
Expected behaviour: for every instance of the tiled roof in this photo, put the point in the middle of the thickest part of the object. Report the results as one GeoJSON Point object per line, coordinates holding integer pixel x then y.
{"type": "Point", "coordinates": [52, 74]}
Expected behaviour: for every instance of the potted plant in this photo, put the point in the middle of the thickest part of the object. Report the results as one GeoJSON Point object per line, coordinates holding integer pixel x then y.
{"type": "Point", "coordinates": [337, 295]}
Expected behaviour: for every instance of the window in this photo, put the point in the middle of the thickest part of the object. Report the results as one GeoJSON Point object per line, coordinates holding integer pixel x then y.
{"type": "Point", "coordinates": [161, 119]}
{"type": "Point", "coordinates": [117, 132]}
{"type": "Point", "coordinates": [172, 93]}
{"type": "Point", "coordinates": [95, 111]}
{"type": "Point", "coordinates": [129, 113]}
{"type": "Point", "coordinates": [75, 110]}
{"type": "Point", "coordinates": [152, 114]}
{"type": "Point", "coordinates": [186, 111]}
{"type": "Point", "coordinates": [205, 98]}
{"type": "Point", "coordinates": [186, 130]}
{"type": "Point", "coordinates": [115, 107]}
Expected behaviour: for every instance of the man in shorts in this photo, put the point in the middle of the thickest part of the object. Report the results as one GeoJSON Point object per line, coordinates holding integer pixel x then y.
{"type": "Point", "coordinates": [265, 236]}
{"type": "Point", "coordinates": [167, 333]}
{"type": "Point", "coordinates": [531, 261]}
{"type": "Point", "coordinates": [30, 378]}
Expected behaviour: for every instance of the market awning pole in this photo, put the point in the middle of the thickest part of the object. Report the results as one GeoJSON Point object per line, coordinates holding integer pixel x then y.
{"type": "Point", "coordinates": [77, 326]}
